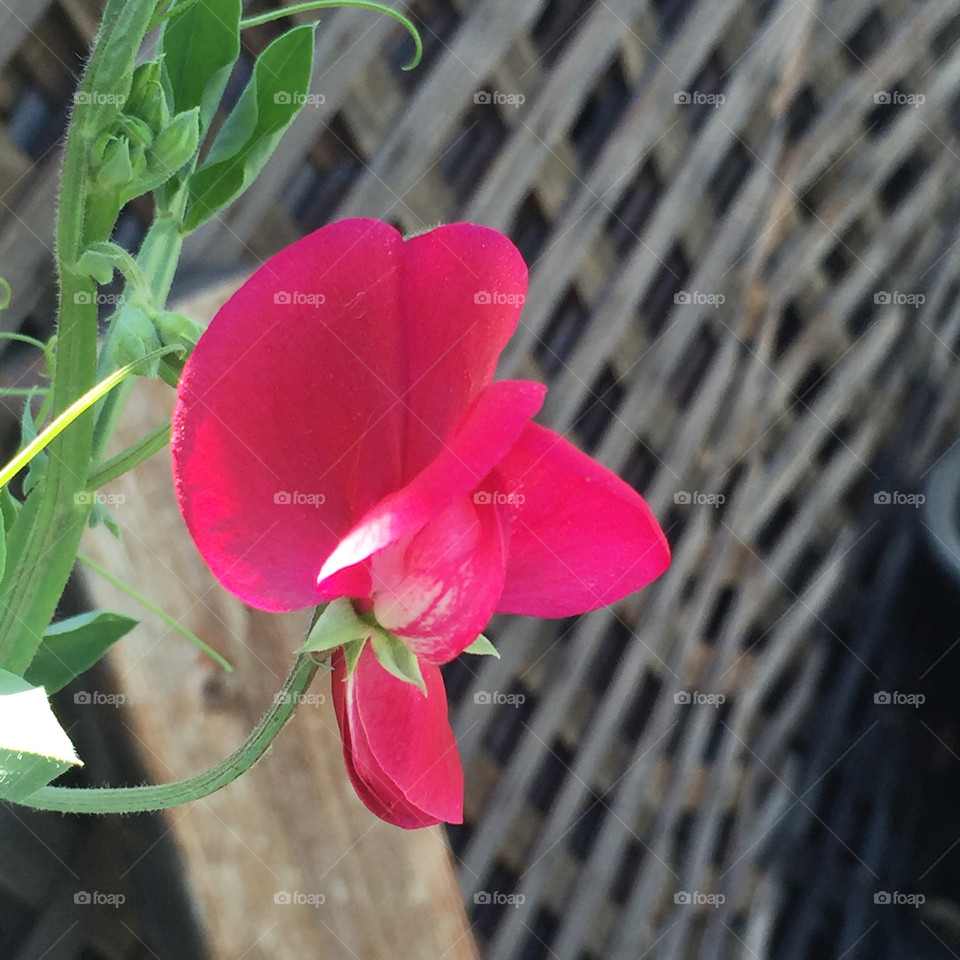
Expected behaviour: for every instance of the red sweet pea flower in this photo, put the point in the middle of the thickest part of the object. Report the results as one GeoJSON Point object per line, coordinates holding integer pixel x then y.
{"type": "Point", "coordinates": [337, 434]}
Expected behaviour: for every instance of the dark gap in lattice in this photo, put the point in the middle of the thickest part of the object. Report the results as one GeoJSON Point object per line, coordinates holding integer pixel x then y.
{"type": "Point", "coordinates": [477, 141]}
{"type": "Point", "coordinates": [724, 837]}
{"type": "Point", "coordinates": [627, 870]}
{"type": "Point", "coordinates": [903, 180]}
{"type": "Point", "coordinates": [563, 629]}
{"type": "Point", "coordinates": [436, 20]}
{"type": "Point", "coordinates": [947, 38]}
{"type": "Point", "coordinates": [675, 525]}
{"type": "Point", "coordinates": [801, 113]}
{"type": "Point", "coordinates": [458, 674]}
{"type": "Point", "coordinates": [640, 710]}
{"type": "Point", "coordinates": [254, 40]}
{"type": "Point", "coordinates": [887, 107]}
{"type": "Point", "coordinates": [762, 9]}
{"type": "Point", "coordinates": [836, 440]}
{"type": "Point", "coordinates": [325, 179]}
{"type": "Point", "coordinates": [710, 82]}
{"type": "Point", "coordinates": [774, 528]}
{"type": "Point", "coordinates": [541, 935]}
{"type": "Point", "coordinates": [837, 261]}
{"type": "Point", "coordinates": [755, 638]}
{"type": "Point", "coordinates": [731, 480]}
{"type": "Point", "coordinates": [509, 721]}
{"type": "Point", "coordinates": [670, 281]}
{"type": "Point", "coordinates": [720, 723]}
{"type": "Point", "coordinates": [953, 114]}
{"type": "Point", "coordinates": [530, 229]}
{"type": "Point", "coordinates": [459, 835]}
{"type": "Point", "coordinates": [811, 385]}
{"type": "Point", "coordinates": [671, 13]}
{"type": "Point", "coordinates": [682, 832]}
{"type": "Point", "coordinates": [689, 588]}
{"type": "Point", "coordinates": [948, 304]}
{"type": "Point", "coordinates": [50, 55]}
{"type": "Point", "coordinates": [641, 467]}
{"type": "Point", "coordinates": [721, 609]}
{"type": "Point", "coordinates": [773, 702]}
{"type": "Point", "coordinates": [486, 912]}
{"type": "Point", "coordinates": [599, 408]}
{"type": "Point", "coordinates": [586, 827]}
{"type": "Point", "coordinates": [128, 233]}
{"type": "Point", "coordinates": [562, 332]}
{"type": "Point", "coordinates": [631, 214]}
{"type": "Point", "coordinates": [550, 775]}
{"type": "Point", "coordinates": [556, 25]}
{"type": "Point", "coordinates": [791, 323]}
{"type": "Point", "coordinates": [809, 201]}
{"type": "Point", "coordinates": [867, 39]}
{"type": "Point", "coordinates": [955, 346]}
{"type": "Point", "coordinates": [862, 316]}
{"type": "Point", "coordinates": [601, 113]}
{"type": "Point", "coordinates": [605, 661]}
{"type": "Point", "coordinates": [803, 569]}
{"type": "Point", "coordinates": [35, 124]}
{"type": "Point", "coordinates": [692, 368]}
{"type": "Point", "coordinates": [730, 176]}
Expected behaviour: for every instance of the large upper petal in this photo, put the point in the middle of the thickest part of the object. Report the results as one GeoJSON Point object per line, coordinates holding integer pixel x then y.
{"type": "Point", "coordinates": [580, 539]}
{"type": "Point", "coordinates": [344, 399]}
{"type": "Point", "coordinates": [400, 752]}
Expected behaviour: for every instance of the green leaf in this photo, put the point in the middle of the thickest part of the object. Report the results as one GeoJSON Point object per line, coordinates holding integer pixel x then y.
{"type": "Point", "coordinates": [482, 647]}
{"type": "Point", "coordinates": [34, 748]}
{"type": "Point", "coordinates": [200, 45]}
{"type": "Point", "coordinates": [72, 646]}
{"type": "Point", "coordinates": [5, 294]}
{"type": "Point", "coordinates": [170, 151]}
{"type": "Point", "coordinates": [397, 658]}
{"type": "Point", "coordinates": [267, 106]}
{"type": "Point", "coordinates": [97, 265]}
{"type": "Point", "coordinates": [337, 625]}
{"type": "Point", "coordinates": [28, 433]}
{"type": "Point", "coordinates": [100, 514]}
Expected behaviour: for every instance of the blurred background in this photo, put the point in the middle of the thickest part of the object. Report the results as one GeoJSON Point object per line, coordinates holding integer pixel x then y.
{"type": "Point", "coordinates": [742, 222]}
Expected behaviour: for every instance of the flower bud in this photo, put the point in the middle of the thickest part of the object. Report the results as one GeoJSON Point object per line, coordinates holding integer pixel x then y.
{"type": "Point", "coordinates": [116, 170]}
{"type": "Point", "coordinates": [132, 337]}
{"type": "Point", "coordinates": [147, 100]}
{"type": "Point", "coordinates": [177, 143]}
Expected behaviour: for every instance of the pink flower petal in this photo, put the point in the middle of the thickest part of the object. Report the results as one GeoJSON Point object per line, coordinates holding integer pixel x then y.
{"type": "Point", "coordinates": [453, 341]}
{"type": "Point", "coordinates": [581, 539]}
{"type": "Point", "coordinates": [398, 746]}
{"type": "Point", "coordinates": [490, 428]}
{"type": "Point", "coordinates": [438, 591]}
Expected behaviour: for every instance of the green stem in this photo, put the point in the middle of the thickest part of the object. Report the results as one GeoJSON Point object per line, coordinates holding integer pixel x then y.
{"type": "Point", "coordinates": [135, 454]}
{"type": "Point", "coordinates": [282, 12]}
{"type": "Point", "coordinates": [147, 603]}
{"type": "Point", "coordinates": [162, 796]}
